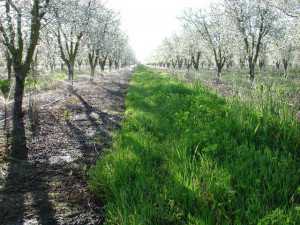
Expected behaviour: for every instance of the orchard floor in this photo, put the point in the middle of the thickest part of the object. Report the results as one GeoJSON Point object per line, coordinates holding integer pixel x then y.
{"type": "Point", "coordinates": [74, 126]}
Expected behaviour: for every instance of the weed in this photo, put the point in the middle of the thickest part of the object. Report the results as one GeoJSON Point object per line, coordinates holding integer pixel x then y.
{"type": "Point", "coordinates": [187, 156]}
{"type": "Point", "coordinates": [4, 87]}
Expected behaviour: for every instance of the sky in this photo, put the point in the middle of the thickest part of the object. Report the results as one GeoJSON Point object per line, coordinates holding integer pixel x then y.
{"type": "Point", "coordinates": [148, 22]}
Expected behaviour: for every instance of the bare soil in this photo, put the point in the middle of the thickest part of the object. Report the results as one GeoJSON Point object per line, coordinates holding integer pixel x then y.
{"type": "Point", "coordinates": [72, 130]}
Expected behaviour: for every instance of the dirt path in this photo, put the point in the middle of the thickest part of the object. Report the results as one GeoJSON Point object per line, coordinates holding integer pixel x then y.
{"type": "Point", "coordinates": [50, 186]}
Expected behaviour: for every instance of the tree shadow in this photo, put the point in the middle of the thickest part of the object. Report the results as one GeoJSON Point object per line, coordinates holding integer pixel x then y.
{"type": "Point", "coordinates": [101, 118]}
{"type": "Point", "coordinates": [77, 134]}
{"type": "Point", "coordinates": [23, 179]}
{"type": "Point", "coordinates": [6, 132]}
{"type": "Point", "coordinates": [100, 121]}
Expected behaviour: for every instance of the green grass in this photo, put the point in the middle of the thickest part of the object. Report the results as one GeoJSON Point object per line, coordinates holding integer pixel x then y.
{"type": "Point", "coordinates": [238, 82]}
{"type": "Point", "coordinates": [46, 81]}
{"type": "Point", "coordinates": [187, 156]}
{"type": "Point", "coordinates": [4, 87]}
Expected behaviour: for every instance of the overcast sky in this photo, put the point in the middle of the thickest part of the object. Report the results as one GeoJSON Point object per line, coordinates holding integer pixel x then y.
{"type": "Point", "coordinates": [147, 22]}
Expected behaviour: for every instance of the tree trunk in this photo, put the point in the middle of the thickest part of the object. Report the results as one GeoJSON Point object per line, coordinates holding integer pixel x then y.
{"type": "Point", "coordinates": [9, 67]}
{"type": "Point", "coordinates": [277, 66]}
{"type": "Point", "coordinates": [93, 60]}
{"type": "Point", "coordinates": [252, 71]}
{"type": "Point", "coordinates": [18, 147]}
{"type": "Point", "coordinates": [110, 64]}
{"type": "Point", "coordinates": [102, 64]}
{"type": "Point", "coordinates": [285, 67]}
{"type": "Point", "coordinates": [52, 67]}
{"type": "Point", "coordinates": [18, 141]}
{"type": "Point", "coordinates": [219, 71]}
{"type": "Point", "coordinates": [93, 68]}
{"type": "Point", "coordinates": [196, 60]}
{"type": "Point", "coordinates": [180, 65]}
{"type": "Point", "coordinates": [179, 62]}
{"type": "Point", "coordinates": [261, 65]}
{"type": "Point", "coordinates": [242, 63]}
{"type": "Point", "coordinates": [52, 64]}
{"type": "Point", "coordinates": [188, 64]}
{"type": "Point", "coordinates": [18, 95]}
{"type": "Point", "coordinates": [173, 63]}
{"type": "Point", "coordinates": [117, 66]}
{"type": "Point", "coordinates": [71, 72]}
{"type": "Point", "coordinates": [202, 65]}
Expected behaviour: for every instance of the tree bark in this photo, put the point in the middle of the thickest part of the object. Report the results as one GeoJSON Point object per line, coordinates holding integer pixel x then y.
{"type": "Point", "coordinates": [52, 67]}
{"type": "Point", "coordinates": [196, 60]}
{"type": "Point", "coordinates": [117, 65]}
{"type": "Point", "coordinates": [173, 63]}
{"type": "Point", "coordinates": [110, 64]}
{"type": "Point", "coordinates": [9, 70]}
{"type": "Point", "coordinates": [278, 66]}
{"type": "Point", "coordinates": [102, 63]}
{"type": "Point", "coordinates": [252, 71]}
{"type": "Point", "coordinates": [8, 65]}
{"type": "Point", "coordinates": [71, 72]}
{"type": "Point", "coordinates": [93, 57]}
{"type": "Point", "coordinates": [18, 144]}
{"type": "Point", "coordinates": [219, 70]}
{"type": "Point", "coordinates": [187, 64]}
{"type": "Point", "coordinates": [261, 65]}
{"type": "Point", "coordinates": [93, 68]}
{"type": "Point", "coordinates": [18, 95]}
{"type": "Point", "coordinates": [179, 62]}
{"type": "Point", "coordinates": [202, 64]}
{"type": "Point", "coordinates": [242, 63]}
{"type": "Point", "coordinates": [285, 67]}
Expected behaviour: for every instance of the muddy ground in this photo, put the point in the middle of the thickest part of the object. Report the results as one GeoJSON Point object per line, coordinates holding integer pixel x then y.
{"type": "Point", "coordinates": [71, 130]}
